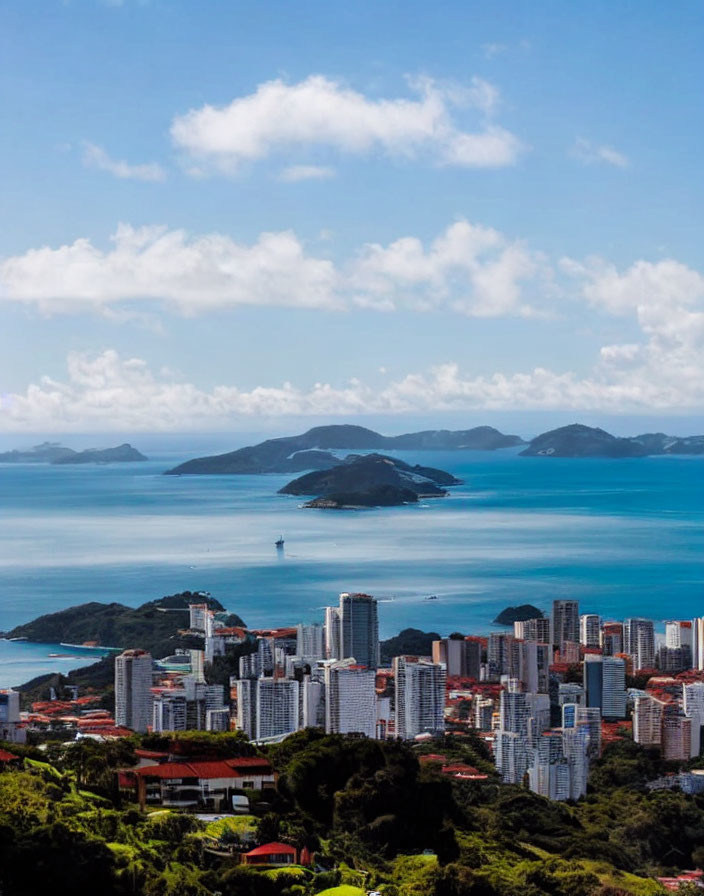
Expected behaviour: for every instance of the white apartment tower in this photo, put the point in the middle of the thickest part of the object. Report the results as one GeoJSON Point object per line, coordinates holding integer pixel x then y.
{"type": "Point", "coordinates": [350, 698]}
{"type": "Point", "coordinates": [277, 707]}
{"type": "Point", "coordinates": [590, 630]}
{"type": "Point", "coordinates": [420, 696]}
{"type": "Point", "coordinates": [133, 690]}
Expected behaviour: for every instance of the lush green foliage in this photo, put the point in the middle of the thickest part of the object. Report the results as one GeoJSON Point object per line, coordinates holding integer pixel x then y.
{"type": "Point", "coordinates": [375, 817]}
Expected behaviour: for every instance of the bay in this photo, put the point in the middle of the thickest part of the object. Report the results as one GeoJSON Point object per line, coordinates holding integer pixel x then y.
{"type": "Point", "coordinates": [624, 537]}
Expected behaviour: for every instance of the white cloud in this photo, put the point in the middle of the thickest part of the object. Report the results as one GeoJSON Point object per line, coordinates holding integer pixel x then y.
{"type": "Point", "coordinates": [295, 173]}
{"type": "Point", "coordinates": [591, 153]}
{"type": "Point", "coordinates": [470, 269]}
{"type": "Point", "coordinates": [321, 112]}
{"type": "Point", "coordinates": [106, 392]}
{"type": "Point", "coordinates": [194, 275]}
{"type": "Point", "coordinates": [96, 157]}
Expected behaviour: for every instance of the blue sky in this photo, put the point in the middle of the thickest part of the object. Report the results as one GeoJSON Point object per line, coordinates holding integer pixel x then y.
{"type": "Point", "coordinates": [222, 216]}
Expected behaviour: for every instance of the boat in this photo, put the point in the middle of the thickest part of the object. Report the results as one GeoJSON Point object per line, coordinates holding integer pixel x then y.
{"type": "Point", "coordinates": [432, 597]}
{"type": "Point", "coordinates": [280, 542]}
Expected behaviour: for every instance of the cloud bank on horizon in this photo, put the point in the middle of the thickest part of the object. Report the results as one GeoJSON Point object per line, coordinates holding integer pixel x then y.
{"type": "Point", "coordinates": [492, 241]}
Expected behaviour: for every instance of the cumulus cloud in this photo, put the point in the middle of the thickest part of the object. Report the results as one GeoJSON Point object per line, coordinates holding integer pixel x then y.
{"type": "Point", "coordinates": [319, 111]}
{"type": "Point", "coordinates": [107, 392]}
{"type": "Point", "coordinates": [593, 153]}
{"type": "Point", "coordinates": [193, 274]}
{"type": "Point", "coordinates": [96, 157]}
{"type": "Point", "coordinates": [468, 268]}
{"type": "Point", "coordinates": [471, 269]}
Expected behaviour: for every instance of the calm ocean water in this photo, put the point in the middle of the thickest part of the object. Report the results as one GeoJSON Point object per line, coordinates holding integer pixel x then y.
{"type": "Point", "coordinates": [623, 536]}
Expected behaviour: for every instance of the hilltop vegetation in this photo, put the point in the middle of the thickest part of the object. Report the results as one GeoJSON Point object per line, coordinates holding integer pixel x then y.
{"type": "Point", "coordinates": [152, 626]}
{"type": "Point", "coordinates": [375, 817]}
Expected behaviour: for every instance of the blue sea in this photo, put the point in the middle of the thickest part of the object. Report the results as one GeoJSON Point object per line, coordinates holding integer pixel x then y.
{"type": "Point", "coordinates": [625, 537]}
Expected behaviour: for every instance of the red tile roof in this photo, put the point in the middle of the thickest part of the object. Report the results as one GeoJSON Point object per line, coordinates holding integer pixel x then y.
{"type": "Point", "coordinates": [220, 768]}
{"type": "Point", "coordinates": [7, 757]}
{"type": "Point", "coordinates": [270, 849]}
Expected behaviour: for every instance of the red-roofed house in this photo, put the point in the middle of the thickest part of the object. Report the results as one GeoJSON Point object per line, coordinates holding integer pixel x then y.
{"type": "Point", "coordinates": [205, 784]}
{"type": "Point", "coordinates": [271, 854]}
{"type": "Point", "coordinates": [8, 759]}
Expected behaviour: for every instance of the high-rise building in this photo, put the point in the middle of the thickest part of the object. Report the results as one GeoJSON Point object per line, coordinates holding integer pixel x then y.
{"type": "Point", "coordinates": [198, 614]}
{"type": "Point", "coordinates": [679, 634]}
{"type": "Point", "coordinates": [277, 707]}
{"type": "Point", "coordinates": [359, 629]}
{"type": "Point", "coordinates": [522, 718]}
{"type": "Point", "coordinates": [612, 638]}
{"type": "Point", "coordinates": [420, 696]}
{"type": "Point", "coordinates": [560, 764]}
{"type": "Point", "coordinates": [698, 643]}
{"type": "Point", "coordinates": [590, 630]}
{"type": "Point", "coordinates": [133, 690]}
{"type": "Point", "coordinates": [217, 719]}
{"type": "Point", "coordinates": [593, 672]}
{"type": "Point", "coordinates": [483, 713]}
{"type": "Point", "coordinates": [647, 721]}
{"type": "Point", "coordinates": [639, 642]}
{"type": "Point", "coordinates": [503, 656]}
{"type": "Point", "coordinates": [533, 630]}
{"type": "Point", "coordinates": [565, 622]}
{"type": "Point", "coordinates": [461, 656]}
{"type": "Point", "coordinates": [676, 734]}
{"type": "Point", "coordinates": [350, 698]}
{"type": "Point", "coordinates": [613, 700]}
{"type": "Point", "coordinates": [259, 663]}
{"type": "Point", "coordinates": [333, 646]}
{"type": "Point", "coordinates": [246, 708]}
{"type": "Point", "coordinates": [310, 641]}
{"type": "Point", "coordinates": [169, 710]}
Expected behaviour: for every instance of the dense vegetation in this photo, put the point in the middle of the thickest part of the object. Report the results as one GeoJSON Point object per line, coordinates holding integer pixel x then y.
{"type": "Point", "coordinates": [374, 815]}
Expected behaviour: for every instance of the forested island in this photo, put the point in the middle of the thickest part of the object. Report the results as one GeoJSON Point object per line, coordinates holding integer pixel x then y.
{"type": "Point", "coordinates": [370, 480]}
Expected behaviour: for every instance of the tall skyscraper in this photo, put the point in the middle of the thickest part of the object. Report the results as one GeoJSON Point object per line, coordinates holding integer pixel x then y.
{"type": "Point", "coordinates": [679, 634]}
{"type": "Point", "coordinates": [590, 630]}
{"type": "Point", "coordinates": [593, 672]}
{"type": "Point", "coordinates": [613, 700]}
{"type": "Point", "coordinates": [698, 643]}
{"type": "Point", "coordinates": [359, 629]}
{"type": "Point", "coordinates": [639, 642]}
{"type": "Point", "coordinates": [333, 647]}
{"type": "Point", "coordinates": [420, 696]}
{"type": "Point", "coordinates": [133, 690]}
{"type": "Point", "coordinates": [565, 622]}
{"type": "Point", "coordinates": [350, 698]}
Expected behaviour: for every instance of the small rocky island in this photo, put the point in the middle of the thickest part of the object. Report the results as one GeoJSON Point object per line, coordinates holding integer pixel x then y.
{"type": "Point", "coordinates": [55, 453]}
{"type": "Point", "coordinates": [370, 480]}
{"type": "Point", "coordinates": [518, 614]}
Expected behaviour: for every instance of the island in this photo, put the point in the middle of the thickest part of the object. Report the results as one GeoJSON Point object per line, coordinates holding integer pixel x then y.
{"type": "Point", "coordinates": [518, 614]}
{"type": "Point", "coordinates": [370, 480]}
{"type": "Point", "coordinates": [312, 450]}
{"type": "Point", "coordinates": [55, 453]}
{"type": "Point", "coordinates": [577, 440]}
